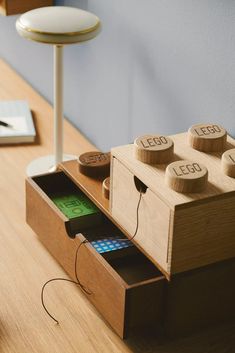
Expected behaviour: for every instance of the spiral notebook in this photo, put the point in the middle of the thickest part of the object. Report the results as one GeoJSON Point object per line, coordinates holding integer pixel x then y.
{"type": "Point", "coordinates": [18, 118]}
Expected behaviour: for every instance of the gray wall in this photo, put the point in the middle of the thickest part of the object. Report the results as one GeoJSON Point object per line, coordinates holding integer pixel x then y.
{"type": "Point", "coordinates": [157, 66]}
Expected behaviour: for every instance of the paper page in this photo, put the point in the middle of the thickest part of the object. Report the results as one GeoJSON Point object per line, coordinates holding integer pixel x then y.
{"type": "Point", "coordinates": [18, 126]}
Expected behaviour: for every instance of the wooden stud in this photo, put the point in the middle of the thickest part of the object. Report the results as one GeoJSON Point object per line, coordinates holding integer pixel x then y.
{"type": "Point", "coordinates": [154, 149]}
{"type": "Point", "coordinates": [207, 137]}
{"type": "Point", "coordinates": [228, 162]}
{"type": "Point", "coordinates": [186, 176]}
{"type": "Point", "coordinates": [106, 187]}
{"type": "Point", "coordinates": [94, 164]}
{"type": "Point", "coordinates": [154, 176]}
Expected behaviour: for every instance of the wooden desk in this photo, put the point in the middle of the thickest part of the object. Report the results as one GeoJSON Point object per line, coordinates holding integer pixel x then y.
{"type": "Point", "coordinates": [25, 265]}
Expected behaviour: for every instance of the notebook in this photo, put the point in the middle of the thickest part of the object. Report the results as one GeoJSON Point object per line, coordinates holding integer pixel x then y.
{"type": "Point", "coordinates": [18, 116]}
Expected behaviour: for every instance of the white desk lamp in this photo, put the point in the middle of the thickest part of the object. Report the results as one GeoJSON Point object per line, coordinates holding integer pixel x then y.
{"type": "Point", "coordinates": [57, 25]}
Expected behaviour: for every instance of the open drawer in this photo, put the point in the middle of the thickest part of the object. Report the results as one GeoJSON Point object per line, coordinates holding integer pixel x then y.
{"type": "Point", "coordinates": [126, 289]}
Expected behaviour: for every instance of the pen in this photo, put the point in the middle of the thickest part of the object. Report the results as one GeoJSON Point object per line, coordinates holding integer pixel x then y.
{"type": "Point", "coordinates": [2, 123]}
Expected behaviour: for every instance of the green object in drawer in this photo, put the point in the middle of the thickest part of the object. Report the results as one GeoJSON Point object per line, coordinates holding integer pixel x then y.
{"type": "Point", "coordinates": [78, 206]}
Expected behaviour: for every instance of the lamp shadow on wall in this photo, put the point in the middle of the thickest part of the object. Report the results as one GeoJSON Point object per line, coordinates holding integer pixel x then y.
{"type": "Point", "coordinates": [150, 94]}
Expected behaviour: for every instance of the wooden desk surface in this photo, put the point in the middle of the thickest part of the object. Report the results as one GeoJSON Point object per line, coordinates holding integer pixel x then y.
{"type": "Point", "coordinates": [25, 265]}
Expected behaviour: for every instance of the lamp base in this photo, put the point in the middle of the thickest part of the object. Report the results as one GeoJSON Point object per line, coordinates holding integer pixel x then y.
{"type": "Point", "coordinates": [45, 164]}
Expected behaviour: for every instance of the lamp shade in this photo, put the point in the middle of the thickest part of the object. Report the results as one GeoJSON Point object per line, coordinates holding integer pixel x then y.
{"type": "Point", "coordinates": [58, 25]}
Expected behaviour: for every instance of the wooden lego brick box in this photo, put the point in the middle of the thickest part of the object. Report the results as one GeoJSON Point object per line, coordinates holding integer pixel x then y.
{"type": "Point", "coordinates": [179, 231]}
{"type": "Point", "coordinates": [128, 290]}
{"type": "Point", "coordinates": [186, 236]}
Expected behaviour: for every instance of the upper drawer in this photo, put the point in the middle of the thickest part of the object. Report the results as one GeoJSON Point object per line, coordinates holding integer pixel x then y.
{"type": "Point", "coordinates": [153, 215]}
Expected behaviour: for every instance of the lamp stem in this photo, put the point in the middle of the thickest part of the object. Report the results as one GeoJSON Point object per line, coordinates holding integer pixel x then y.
{"type": "Point", "coordinates": [58, 103]}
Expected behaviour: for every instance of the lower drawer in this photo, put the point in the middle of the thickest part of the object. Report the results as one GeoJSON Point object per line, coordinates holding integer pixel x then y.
{"type": "Point", "coordinates": [127, 289]}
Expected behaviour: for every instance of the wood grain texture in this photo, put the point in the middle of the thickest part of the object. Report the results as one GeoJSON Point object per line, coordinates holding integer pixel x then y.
{"type": "Point", "coordinates": [154, 176]}
{"type": "Point", "coordinates": [145, 302]}
{"type": "Point", "coordinates": [108, 288]}
{"type": "Point", "coordinates": [120, 303]}
{"type": "Point", "coordinates": [106, 187]}
{"type": "Point", "coordinates": [13, 7]}
{"type": "Point", "coordinates": [25, 265]}
{"type": "Point", "coordinates": [154, 149]}
{"type": "Point", "coordinates": [228, 163]}
{"type": "Point", "coordinates": [203, 234]}
{"type": "Point", "coordinates": [94, 164]}
{"type": "Point", "coordinates": [154, 215]}
{"type": "Point", "coordinates": [200, 230]}
{"type": "Point", "coordinates": [207, 137]}
{"type": "Point", "coordinates": [50, 226]}
{"type": "Point", "coordinates": [92, 187]}
{"type": "Point", "coordinates": [186, 176]}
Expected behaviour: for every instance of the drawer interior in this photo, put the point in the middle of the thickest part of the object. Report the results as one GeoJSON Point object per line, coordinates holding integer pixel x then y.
{"type": "Point", "coordinates": [128, 288]}
{"type": "Point", "coordinates": [130, 264]}
{"type": "Point", "coordinates": [54, 183]}
{"type": "Point", "coordinates": [70, 201]}
{"type": "Point", "coordinates": [134, 268]}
